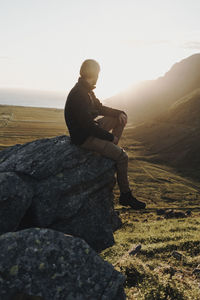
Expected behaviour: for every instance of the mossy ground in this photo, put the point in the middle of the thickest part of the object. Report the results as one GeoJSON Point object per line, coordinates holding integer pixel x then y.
{"type": "Point", "coordinates": [154, 273]}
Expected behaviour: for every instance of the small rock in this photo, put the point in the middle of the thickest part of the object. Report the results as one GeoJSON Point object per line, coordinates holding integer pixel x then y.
{"type": "Point", "coordinates": [136, 250]}
{"type": "Point", "coordinates": [179, 214]}
{"type": "Point", "coordinates": [177, 255]}
{"type": "Point", "coordinates": [188, 212]}
{"type": "Point", "coordinates": [169, 270]}
{"type": "Point", "coordinates": [169, 214]}
{"type": "Point", "coordinates": [197, 271]}
{"type": "Point", "coordinates": [160, 211]}
{"type": "Point", "coordinates": [150, 267]}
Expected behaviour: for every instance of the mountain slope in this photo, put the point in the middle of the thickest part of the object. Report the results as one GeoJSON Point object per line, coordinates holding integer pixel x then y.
{"type": "Point", "coordinates": [150, 98]}
{"type": "Point", "coordinates": [174, 136]}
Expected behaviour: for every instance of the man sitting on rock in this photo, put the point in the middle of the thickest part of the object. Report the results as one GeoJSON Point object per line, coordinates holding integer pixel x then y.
{"type": "Point", "coordinates": [81, 109]}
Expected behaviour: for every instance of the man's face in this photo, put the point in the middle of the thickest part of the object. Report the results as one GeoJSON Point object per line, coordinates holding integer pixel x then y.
{"type": "Point", "coordinates": [95, 78]}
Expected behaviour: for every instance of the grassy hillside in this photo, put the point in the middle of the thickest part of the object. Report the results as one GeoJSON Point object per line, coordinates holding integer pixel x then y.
{"type": "Point", "coordinates": [166, 267]}
{"type": "Point", "coordinates": [20, 124]}
{"type": "Point", "coordinates": [173, 137]}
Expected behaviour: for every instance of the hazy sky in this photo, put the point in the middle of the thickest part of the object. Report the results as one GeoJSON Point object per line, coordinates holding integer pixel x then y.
{"type": "Point", "coordinates": [43, 42]}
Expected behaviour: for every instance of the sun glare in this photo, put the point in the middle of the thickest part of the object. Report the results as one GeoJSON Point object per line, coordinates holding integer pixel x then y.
{"type": "Point", "coordinates": [133, 64]}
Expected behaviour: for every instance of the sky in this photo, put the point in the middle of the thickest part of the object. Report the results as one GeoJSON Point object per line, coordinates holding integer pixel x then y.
{"type": "Point", "coordinates": [44, 42]}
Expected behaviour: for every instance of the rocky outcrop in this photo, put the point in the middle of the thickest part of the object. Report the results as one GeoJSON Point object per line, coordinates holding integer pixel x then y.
{"type": "Point", "coordinates": [51, 183]}
{"type": "Point", "coordinates": [55, 266]}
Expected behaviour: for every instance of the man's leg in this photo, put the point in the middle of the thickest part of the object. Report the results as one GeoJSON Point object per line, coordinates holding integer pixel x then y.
{"type": "Point", "coordinates": [110, 150]}
{"type": "Point", "coordinates": [110, 123]}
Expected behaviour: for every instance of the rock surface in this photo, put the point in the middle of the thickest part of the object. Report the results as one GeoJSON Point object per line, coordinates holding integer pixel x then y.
{"type": "Point", "coordinates": [15, 199]}
{"type": "Point", "coordinates": [55, 266]}
{"type": "Point", "coordinates": [51, 183]}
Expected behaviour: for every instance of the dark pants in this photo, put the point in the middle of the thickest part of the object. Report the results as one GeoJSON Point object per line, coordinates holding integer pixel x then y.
{"type": "Point", "coordinates": [110, 150]}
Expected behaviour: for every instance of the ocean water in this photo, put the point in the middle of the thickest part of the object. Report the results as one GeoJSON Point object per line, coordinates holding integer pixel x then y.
{"type": "Point", "coordinates": [36, 98]}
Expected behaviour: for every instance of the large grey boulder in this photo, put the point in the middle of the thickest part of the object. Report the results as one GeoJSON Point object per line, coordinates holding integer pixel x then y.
{"type": "Point", "coordinates": [55, 266]}
{"type": "Point", "coordinates": [15, 199]}
{"type": "Point", "coordinates": [54, 184]}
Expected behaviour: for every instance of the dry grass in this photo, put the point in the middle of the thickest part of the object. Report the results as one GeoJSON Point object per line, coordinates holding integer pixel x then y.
{"type": "Point", "coordinates": [19, 124]}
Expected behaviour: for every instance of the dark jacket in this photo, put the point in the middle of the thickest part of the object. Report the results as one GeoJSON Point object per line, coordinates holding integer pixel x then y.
{"type": "Point", "coordinates": [81, 108]}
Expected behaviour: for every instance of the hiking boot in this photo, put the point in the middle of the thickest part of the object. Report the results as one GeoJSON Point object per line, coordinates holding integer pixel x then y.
{"type": "Point", "coordinates": [127, 199]}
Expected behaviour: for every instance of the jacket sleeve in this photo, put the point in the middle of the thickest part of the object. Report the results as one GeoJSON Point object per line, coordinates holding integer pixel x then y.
{"type": "Point", "coordinates": [85, 120]}
{"type": "Point", "coordinates": [107, 111]}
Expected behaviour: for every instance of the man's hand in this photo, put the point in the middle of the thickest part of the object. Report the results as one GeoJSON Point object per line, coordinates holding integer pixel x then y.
{"type": "Point", "coordinates": [123, 119]}
{"type": "Point", "coordinates": [116, 140]}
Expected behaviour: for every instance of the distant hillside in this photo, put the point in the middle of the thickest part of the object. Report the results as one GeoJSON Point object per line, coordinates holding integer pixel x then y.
{"type": "Point", "coordinates": [150, 98]}
{"type": "Point", "coordinates": [19, 124]}
{"type": "Point", "coordinates": [174, 136]}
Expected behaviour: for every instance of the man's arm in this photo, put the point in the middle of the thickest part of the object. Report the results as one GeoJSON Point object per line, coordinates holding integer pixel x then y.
{"type": "Point", "coordinates": [107, 111]}
{"type": "Point", "coordinates": [84, 119]}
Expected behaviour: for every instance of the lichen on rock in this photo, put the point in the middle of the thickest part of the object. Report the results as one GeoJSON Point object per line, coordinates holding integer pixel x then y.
{"type": "Point", "coordinates": [59, 267]}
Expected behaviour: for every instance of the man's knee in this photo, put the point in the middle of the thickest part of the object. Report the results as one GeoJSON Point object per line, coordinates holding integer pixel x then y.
{"type": "Point", "coordinates": [107, 122]}
{"type": "Point", "coordinates": [120, 125]}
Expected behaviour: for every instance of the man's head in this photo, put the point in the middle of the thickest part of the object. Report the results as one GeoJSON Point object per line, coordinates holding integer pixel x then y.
{"type": "Point", "coordinates": [89, 70]}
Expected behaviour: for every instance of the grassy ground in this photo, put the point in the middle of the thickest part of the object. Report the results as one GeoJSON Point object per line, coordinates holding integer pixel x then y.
{"type": "Point", "coordinates": [157, 271]}
{"type": "Point", "coordinates": [19, 124]}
